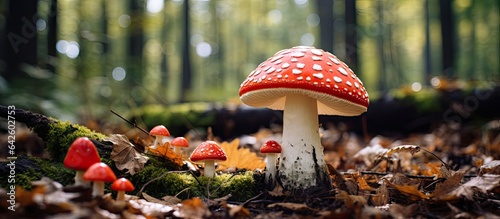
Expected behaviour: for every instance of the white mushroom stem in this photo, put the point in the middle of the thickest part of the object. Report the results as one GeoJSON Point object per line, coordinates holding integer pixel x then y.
{"type": "Point", "coordinates": [177, 150]}
{"type": "Point", "coordinates": [98, 189]}
{"type": "Point", "coordinates": [159, 141]}
{"type": "Point", "coordinates": [209, 168]}
{"type": "Point", "coordinates": [120, 196]}
{"type": "Point", "coordinates": [302, 164]}
{"type": "Point", "coordinates": [270, 173]}
{"type": "Point", "coordinates": [79, 178]}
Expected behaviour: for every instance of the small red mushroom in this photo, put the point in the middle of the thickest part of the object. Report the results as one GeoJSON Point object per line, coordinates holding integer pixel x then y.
{"type": "Point", "coordinates": [208, 152]}
{"type": "Point", "coordinates": [122, 185]}
{"type": "Point", "coordinates": [99, 173]}
{"type": "Point", "coordinates": [271, 148]}
{"type": "Point", "coordinates": [160, 133]}
{"type": "Point", "coordinates": [178, 143]}
{"type": "Point", "coordinates": [81, 155]}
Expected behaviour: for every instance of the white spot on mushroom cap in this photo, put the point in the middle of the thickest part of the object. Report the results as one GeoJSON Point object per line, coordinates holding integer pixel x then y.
{"type": "Point", "coordinates": [316, 52]}
{"type": "Point", "coordinates": [296, 71]}
{"type": "Point", "coordinates": [316, 58]}
{"type": "Point", "coordinates": [318, 75]}
{"type": "Point", "coordinates": [337, 79]}
{"type": "Point", "coordinates": [276, 58]}
{"type": "Point", "coordinates": [270, 70]}
{"type": "Point", "coordinates": [334, 60]}
{"type": "Point", "coordinates": [342, 71]}
{"type": "Point", "coordinates": [301, 65]}
{"type": "Point", "coordinates": [285, 65]}
{"type": "Point", "coordinates": [300, 78]}
{"type": "Point", "coordinates": [348, 83]}
{"type": "Point", "coordinates": [294, 60]}
{"type": "Point", "coordinates": [317, 67]}
{"type": "Point", "coordinates": [298, 54]}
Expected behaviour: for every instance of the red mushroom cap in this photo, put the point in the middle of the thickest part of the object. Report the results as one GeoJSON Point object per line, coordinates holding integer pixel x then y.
{"type": "Point", "coordinates": [159, 130]}
{"type": "Point", "coordinates": [309, 71]}
{"type": "Point", "coordinates": [179, 142]}
{"type": "Point", "coordinates": [122, 184]}
{"type": "Point", "coordinates": [82, 153]}
{"type": "Point", "coordinates": [270, 146]}
{"type": "Point", "coordinates": [99, 172]}
{"type": "Point", "coordinates": [208, 150]}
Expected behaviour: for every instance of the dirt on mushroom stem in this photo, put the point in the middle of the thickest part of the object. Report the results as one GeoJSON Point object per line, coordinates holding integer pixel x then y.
{"type": "Point", "coordinates": [302, 166]}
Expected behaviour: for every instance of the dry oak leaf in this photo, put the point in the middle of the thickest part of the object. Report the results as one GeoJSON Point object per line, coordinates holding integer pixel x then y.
{"type": "Point", "coordinates": [240, 158]}
{"type": "Point", "coordinates": [165, 151]}
{"type": "Point", "coordinates": [125, 155]}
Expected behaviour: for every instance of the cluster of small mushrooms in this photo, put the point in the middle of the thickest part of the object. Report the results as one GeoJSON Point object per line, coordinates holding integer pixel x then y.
{"type": "Point", "coordinates": [83, 157]}
{"type": "Point", "coordinates": [207, 152]}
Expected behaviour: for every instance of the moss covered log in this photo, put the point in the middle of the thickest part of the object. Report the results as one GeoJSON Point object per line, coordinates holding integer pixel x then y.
{"type": "Point", "coordinates": [159, 182]}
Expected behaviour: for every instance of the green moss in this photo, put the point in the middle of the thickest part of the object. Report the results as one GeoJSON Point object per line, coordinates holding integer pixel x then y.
{"type": "Point", "coordinates": [240, 186]}
{"type": "Point", "coordinates": [62, 134]}
{"type": "Point", "coordinates": [29, 169]}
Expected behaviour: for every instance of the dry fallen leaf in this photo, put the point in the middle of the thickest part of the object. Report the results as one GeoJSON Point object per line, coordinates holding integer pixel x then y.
{"type": "Point", "coordinates": [449, 184]}
{"type": "Point", "coordinates": [483, 184]}
{"type": "Point", "coordinates": [165, 151]}
{"type": "Point", "coordinates": [381, 196]}
{"type": "Point", "coordinates": [291, 206]}
{"type": "Point", "coordinates": [193, 208]}
{"type": "Point", "coordinates": [149, 209]}
{"type": "Point", "coordinates": [125, 155]}
{"type": "Point", "coordinates": [240, 158]}
{"type": "Point", "coordinates": [351, 201]}
{"type": "Point", "coordinates": [411, 191]}
{"type": "Point", "coordinates": [491, 167]}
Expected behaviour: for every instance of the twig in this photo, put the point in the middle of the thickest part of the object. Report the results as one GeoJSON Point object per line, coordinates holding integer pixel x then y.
{"type": "Point", "coordinates": [129, 122]}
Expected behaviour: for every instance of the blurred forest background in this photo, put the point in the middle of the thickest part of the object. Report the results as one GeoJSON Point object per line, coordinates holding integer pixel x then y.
{"type": "Point", "coordinates": [74, 59]}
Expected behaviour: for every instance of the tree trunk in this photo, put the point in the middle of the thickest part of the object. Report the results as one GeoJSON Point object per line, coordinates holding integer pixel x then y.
{"type": "Point", "coordinates": [21, 37]}
{"type": "Point", "coordinates": [325, 13]}
{"type": "Point", "coordinates": [135, 45]}
{"type": "Point", "coordinates": [52, 36]}
{"type": "Point", "coordinates": [427, 49]}
{"type": "Point", "coordinates": [447, 37]}
{"type": "Point", "coordinates": [351, 36]}
{"type": "Point", "coordinates": [186, 60]}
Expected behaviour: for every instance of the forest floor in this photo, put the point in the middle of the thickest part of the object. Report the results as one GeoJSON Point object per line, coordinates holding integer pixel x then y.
{"type": "Point", "coordinates": [451, 172]}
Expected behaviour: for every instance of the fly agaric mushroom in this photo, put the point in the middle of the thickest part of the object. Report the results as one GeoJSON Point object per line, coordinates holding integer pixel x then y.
{"type": "Point", "coordinates": [271, 148]}
{"type": "Point", "coordinates": [82, 153]}
{"type": "Point", "coordinates": [99, 173]}
{"type": "Point", "coordinates": [122, 185]}
{"type": "Point", "coordinates": [178, 143]}
{"type": "Point", "coordinates": [208, 152]}
{"type": "Point", "coordinates": [160, 133]}
{"type": "Point", "coordinates": [304, 82]}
